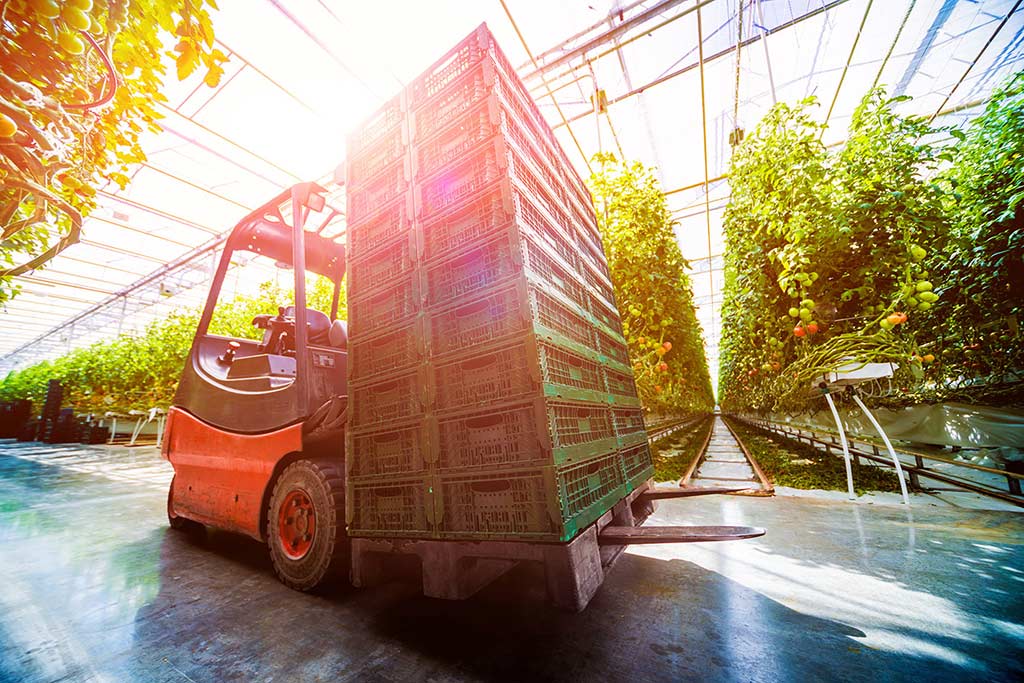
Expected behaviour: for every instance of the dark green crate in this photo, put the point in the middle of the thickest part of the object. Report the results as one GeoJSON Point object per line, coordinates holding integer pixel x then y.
{"type": "Point", "coordinates": [511, 504]}
{"type": "Point", "coordinates": [636, 464]}
{"type": "Point", "coordinates": [390, 507]}
{"type": "Point", "coordinates": [545, 503]}
{"type": "Point", "coordinates": [589, 489]}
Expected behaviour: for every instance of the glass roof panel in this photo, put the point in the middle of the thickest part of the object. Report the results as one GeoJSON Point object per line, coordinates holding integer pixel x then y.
{"type": "Point", "coordinates": [304, 72]}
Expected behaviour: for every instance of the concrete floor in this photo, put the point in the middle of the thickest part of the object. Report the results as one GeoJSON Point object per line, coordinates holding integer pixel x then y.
{"type": "Point", "coordinates": [725, 465]}
{"type": "Point", "coordinates": [94, 587]}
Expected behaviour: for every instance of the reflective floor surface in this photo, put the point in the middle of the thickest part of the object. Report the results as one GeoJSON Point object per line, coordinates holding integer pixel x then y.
{"type": "Point", "coordinates": [95, 587]}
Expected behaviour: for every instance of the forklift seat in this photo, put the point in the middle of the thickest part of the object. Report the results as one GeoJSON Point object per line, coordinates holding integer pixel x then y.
{"type": "Point", "coordinates": [318, 323]}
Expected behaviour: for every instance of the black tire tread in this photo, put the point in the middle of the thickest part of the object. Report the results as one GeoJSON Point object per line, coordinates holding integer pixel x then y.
{"type": "Point", "coordinates": [332, 477]}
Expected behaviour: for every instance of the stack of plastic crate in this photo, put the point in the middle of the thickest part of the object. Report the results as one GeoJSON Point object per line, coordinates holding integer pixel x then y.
{"type": "Point", "coordinates": [388, 393]}
{"type": "Point", "coordinates": [490, 385]}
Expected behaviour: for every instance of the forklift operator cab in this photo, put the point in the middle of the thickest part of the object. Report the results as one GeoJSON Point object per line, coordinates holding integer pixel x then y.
{"type": "Point", "coordinates": [250, 386]}
{"type": "Point", "coordinates": [247, 408]}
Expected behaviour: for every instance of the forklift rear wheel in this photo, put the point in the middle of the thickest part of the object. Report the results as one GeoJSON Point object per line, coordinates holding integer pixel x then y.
{"type": "Point", "coordinates": [306, 525]}
{"type": "Point", "coordinates": [176, 521]}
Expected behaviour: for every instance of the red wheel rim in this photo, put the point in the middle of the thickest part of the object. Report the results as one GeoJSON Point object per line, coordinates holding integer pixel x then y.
{"type": "Point", "coordinates": [296, 524]}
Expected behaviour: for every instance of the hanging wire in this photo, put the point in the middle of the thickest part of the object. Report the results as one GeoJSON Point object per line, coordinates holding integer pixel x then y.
{"type": "Point", "coordinates": [824, 9]}
{"type": "Point", "coordinates": [558, 108]}
{"type": "Point", "coordinates": [976, 59]}
{"type": "Point", "coordinates": [704, 131]}
{"type": "Point", "coordinates": [849, 60]}
{"type": "Point", "coordinates": [739, 45]}
{"type": "Point", "coordinates": [764, 45]}
{"type": "Point", "coordinates": [607, 113]}
{"type": "Point", "coordinates": [618, 46]}
{"type": "Point", "coordinates": [892, 47]}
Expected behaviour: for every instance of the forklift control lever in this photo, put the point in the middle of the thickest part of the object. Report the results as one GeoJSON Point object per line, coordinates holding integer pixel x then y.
{"type": "Point", "coordinates": [229, 353]}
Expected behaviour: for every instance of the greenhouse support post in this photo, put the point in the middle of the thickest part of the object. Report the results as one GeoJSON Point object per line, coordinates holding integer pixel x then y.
{"type": "Point", "coordinates": [888, 445]}
{"type": "Point", "coordinates": [113, 429]}
{"type": "Point", "coordinates": [846, 447]}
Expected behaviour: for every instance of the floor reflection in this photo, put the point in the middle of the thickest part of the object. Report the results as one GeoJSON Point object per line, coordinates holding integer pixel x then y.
{"type": "Point", "coordinates": [93, 586]}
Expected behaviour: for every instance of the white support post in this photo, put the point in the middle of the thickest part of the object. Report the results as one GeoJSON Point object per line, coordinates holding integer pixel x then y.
{"type": "Point", "coordinates": [846, 448]}
{"type": "Point", "coordinates": [888, 445]}
{"type": "Point", "coordinates": [139, 424]}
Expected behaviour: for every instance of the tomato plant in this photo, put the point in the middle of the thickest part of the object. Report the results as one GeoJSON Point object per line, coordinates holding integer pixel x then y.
{"type": "Point", "coordinates": [652, 288]}
{"type": "Point", "coordinates": [141, 370]}
{"type": "Point", "coordinates": [80, 82]}
{"type": "Point", "coordinates": [831, 240]}
{"type": "Point", "coordinates": [979, 266]}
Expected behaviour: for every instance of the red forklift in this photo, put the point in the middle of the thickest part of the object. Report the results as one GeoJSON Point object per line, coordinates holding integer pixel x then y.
{"type": "Point", "coordinates": [256, 436]}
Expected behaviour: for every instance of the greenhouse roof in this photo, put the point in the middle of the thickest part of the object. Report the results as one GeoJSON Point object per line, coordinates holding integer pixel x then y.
{"type": "Point", "coordinates": [302, 73]}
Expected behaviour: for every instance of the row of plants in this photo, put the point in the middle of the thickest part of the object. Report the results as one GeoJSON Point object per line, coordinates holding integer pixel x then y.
{"type": "Point", "coordinates": [652, 288]}
{"type": "Point", "coordinates": [80, 83]}
{"type": "Point", "coordinates": [891, 248]}
{"type": "Point", "coordinates": [140, 370]}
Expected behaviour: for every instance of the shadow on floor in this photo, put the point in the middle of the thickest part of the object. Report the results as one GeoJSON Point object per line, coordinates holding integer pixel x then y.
{"type": "Point", "coordinates": [220, 615]}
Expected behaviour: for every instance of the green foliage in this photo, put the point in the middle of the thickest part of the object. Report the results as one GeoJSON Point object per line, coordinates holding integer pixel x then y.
{"type": "Point", "coordinates": [824, 251]}
{"type": "Point", "coordinates": [68, 123]}
{"type": "Point", "coordinates": [141, 370]}
{"type": "Point", "coordinates": [652, 288]}
{"type": "Point", "coordinates": [980, 264]}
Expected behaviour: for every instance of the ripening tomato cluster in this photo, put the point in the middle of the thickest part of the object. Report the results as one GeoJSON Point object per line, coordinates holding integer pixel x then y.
{"type": "Point", "coordinates": [807, 324]}
{"type": "Point", "coordinates": [72, 19]}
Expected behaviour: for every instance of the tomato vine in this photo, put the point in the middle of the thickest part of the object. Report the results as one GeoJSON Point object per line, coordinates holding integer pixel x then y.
{"type": "Point", "coordinates": [80, 82]}
{"type": "Point", "coordinates": [825, 250]}
{"type": "Point", "coordinates": [652, 288]}
{"type": "Point", "coordinates": [977, 335]}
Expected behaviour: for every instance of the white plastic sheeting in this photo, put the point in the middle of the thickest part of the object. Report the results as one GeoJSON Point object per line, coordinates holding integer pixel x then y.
{"type": "Point", "coordinates": [940, 424]}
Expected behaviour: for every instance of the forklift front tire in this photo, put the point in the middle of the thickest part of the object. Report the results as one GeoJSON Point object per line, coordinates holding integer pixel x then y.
{"type": "Point", "coordinates": [306, 525]}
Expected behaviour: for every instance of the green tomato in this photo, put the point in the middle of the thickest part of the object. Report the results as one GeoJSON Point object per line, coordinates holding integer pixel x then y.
{"type": "Point", "coordinates": [918, 253]}
{"type": "Point", "coordinates": [911, 301]}
{"type": "Point", "coordinates": [808, 304]}
{"type": "Point", "coordinates": [885, 325]}
{"type": "Point", "coordinates": [794, 312]}
{"type": "Point", "coordinates": [805, 315]}
{"type": "Point", "coordinates": [929, 296]}
{"type": "Point", "coordinates": [46, 9]}
{"type": "Point", "coordinates": [71, 43]}
{"type": "Point", "coordinates": [924, 286]}
{"type": "Point", "coordinates": [923, 306]}
{"type": "Point", "coordinates": [75, 18]}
